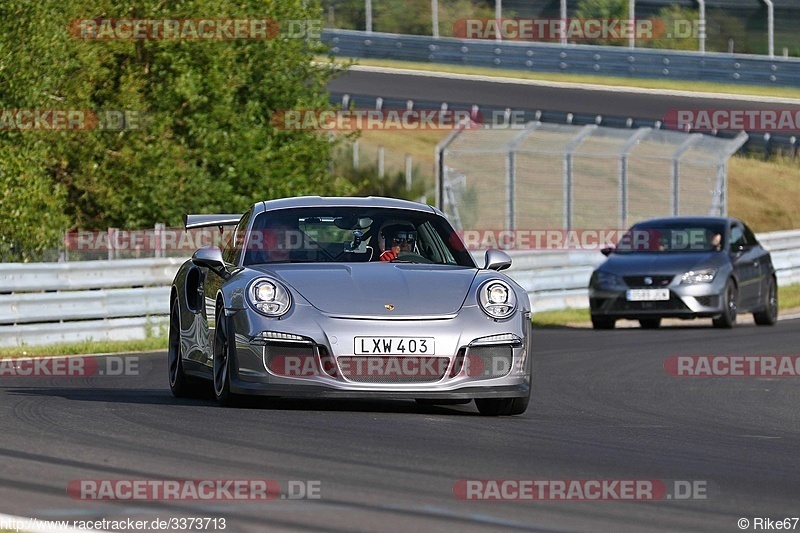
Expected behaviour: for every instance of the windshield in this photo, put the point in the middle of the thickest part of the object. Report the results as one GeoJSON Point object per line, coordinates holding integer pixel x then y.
{"type": "Point", "coordinates": [324, 235]}
{"type": "Point", "coordinates": [674, 237]}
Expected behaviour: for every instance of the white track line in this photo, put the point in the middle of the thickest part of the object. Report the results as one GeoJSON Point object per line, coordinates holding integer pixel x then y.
{"type": "Point", "coordinates": [582, 86]}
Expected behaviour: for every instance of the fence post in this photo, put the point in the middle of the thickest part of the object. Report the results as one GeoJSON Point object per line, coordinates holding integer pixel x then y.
{"type": "Point", "coordinates": [380, 161]}
{"type": "Point", "coordinates": [355, 154]}
{"type": "Point", "coordinates": [439, 168]}
{"type": "Point", "coordinates": [408, 172]}
{"type": "Point", "coordinates": [570, 147]}
{"type": "Point", "coordinates": [640, 134]}
{"type": "Point", "coordinates": [676, 171]}
{"type": "Point", "coordinates": [511, 174]}
{"type": "Point", "coordinates": [110, 246]}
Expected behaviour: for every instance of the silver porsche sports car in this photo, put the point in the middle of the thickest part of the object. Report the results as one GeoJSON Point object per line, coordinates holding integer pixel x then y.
{"type": "Point", "coordinates": [349, 298]}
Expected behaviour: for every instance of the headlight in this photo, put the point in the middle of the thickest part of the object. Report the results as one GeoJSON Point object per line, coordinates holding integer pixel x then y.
{"type": "Point", "coordinates": [699, 276]}
{"type": "Point", "coordinates": [497, 299]}
{"type": "Point", "coordinates": [605, 279]}
{"type": "Point", "coordinates": [269, 297]}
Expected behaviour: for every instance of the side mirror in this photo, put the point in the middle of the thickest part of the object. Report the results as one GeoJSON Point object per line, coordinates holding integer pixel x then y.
{"type": "Point", "coordinates": [497, 260]}
{"type": "Point", "coordinates": [210, 257]}
{"type": "Point", "coordinates": [606, 251]}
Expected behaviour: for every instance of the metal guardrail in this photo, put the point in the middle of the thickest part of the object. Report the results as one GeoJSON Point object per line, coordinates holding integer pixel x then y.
{"type": "Point", "coordinates": [48, 303]}
{"type": "Point", "coordinates": [572, 58]}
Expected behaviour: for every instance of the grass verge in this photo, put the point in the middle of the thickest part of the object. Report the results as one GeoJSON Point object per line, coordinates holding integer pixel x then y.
{"type": "Point", "coordinates": [788, 298]}
{"type": "Point", "coordinates": [610, 81]}
{"type": "Point", "coordinates": [87, 347]}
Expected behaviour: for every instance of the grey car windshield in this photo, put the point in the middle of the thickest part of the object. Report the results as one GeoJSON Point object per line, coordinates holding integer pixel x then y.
{"type": "Point", "coordinates": [680, 238]}
{"type": "Point", "coordinates": [319, 235]}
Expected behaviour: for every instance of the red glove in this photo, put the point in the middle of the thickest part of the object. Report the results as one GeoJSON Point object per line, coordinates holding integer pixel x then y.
{"type": "Point", "coordinates": [388, 255]}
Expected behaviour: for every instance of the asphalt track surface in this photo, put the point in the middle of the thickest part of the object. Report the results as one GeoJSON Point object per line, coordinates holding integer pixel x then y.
{"type": "Point", "coordinates": [603, 408]}
{"type": "Point", "coordinates": [612, 102]}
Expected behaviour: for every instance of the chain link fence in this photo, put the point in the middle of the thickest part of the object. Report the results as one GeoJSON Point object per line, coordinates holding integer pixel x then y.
{"type": "Point", "coordinates": [558, 176]}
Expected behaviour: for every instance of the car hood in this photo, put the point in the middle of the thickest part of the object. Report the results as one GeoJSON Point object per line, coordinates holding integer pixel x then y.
{"type": "Point", "coordinates": [366, 289]}
{"type": "Point", "coordinates": [660, 263]}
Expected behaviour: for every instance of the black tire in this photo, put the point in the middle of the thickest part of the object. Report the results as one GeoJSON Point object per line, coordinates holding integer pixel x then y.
{"type": "Point", "coordinates": [502, 406]}
{"type": "Point", "coordinates": [222, 361]}
{"type": "Point", "coordinates": [650, 323]}
{"type": "Point", "coordinates": [730, 301]}
{"type": "Point", "coordinates": [769, 315]}
{"type": "Point", "coordinates": [181, 385]}
{"type": "Point", "coordinates": [603, 322]}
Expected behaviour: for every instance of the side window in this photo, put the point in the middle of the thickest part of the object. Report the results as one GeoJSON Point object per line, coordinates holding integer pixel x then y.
{"type": "Point", "coordinates": [233, 250]}
{"type": "Point", "coordinates": [737, 237]}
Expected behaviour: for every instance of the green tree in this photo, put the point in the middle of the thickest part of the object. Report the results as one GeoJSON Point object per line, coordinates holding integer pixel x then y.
{"type": "Point", "coordinates": [603, 10]}
{"type": "Point", "coordinates": [679, 27]}
{"type": "Point", "coordinates": [207, 143]}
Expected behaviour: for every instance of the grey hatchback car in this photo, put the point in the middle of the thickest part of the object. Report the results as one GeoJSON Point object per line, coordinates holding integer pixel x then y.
{"type": "Point", "coordinates": [685, 267]}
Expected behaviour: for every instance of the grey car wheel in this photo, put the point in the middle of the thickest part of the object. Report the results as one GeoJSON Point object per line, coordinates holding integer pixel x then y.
{"type": "Point", "coordinates": [602, 322]}
{"type": "Point", "coordinates": [769, 315]}
{"type": "Point", "coordinates": [730, 303]}
{"type": "Point", "coordinates": [222, 362]}
{"type": "Point", "coordinates": [502, 406]}
{"type": "Point", "coordinates": [179, 383]}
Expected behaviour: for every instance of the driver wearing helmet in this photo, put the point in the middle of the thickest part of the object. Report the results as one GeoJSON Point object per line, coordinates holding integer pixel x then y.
{"type": "Point", "coordinates": [397, 238]}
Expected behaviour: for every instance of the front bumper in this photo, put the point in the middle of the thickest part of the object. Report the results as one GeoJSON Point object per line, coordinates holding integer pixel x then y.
{"type": "Point", "coordinates": [324, 348]}
{"type": "Point", "coordinates": [685, 301]}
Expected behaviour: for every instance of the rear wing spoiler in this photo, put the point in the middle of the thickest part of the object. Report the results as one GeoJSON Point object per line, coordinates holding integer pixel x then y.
{"type": "Point", "coordinates": [205, 221]}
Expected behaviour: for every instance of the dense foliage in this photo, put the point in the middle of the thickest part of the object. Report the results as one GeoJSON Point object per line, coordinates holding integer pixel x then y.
{"type": "Point", "coordinates": [206, 143]}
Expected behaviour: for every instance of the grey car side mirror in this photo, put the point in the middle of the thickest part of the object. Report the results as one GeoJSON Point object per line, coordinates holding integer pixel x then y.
{"type": "Point", "coordinates": [210, 257]}
{"type": "Point", "coordinates": [497, 260]}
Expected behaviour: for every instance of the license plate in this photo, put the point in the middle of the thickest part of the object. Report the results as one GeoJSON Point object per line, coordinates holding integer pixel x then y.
{"type": "Point", "coordinates": [647, 295]}
{"type": "Point", "coordinates": [394, 345]}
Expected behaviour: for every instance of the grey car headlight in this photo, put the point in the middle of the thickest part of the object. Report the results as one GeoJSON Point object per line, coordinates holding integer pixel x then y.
{"type": "Point", "coordinates": [269, 297]}
{"type": "Point", "coordinates": [601, 278]}
{"type": "Point", "coordinates": [699, 276]}
{"type": "Point", "coordinates": [497, 299]}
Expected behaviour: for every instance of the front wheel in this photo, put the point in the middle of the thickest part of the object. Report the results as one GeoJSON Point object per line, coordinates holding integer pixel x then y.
{"type": "Point", "coordinates": [502, 406]}
{"type": "Point", "coordinates": [602, 322]}
{"type": "Point", "coordinates": [730, 298]}
{"type": "Point", "coordinates": [769, 315]}
{"type": "Point", "coordinates": [222, 362]}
